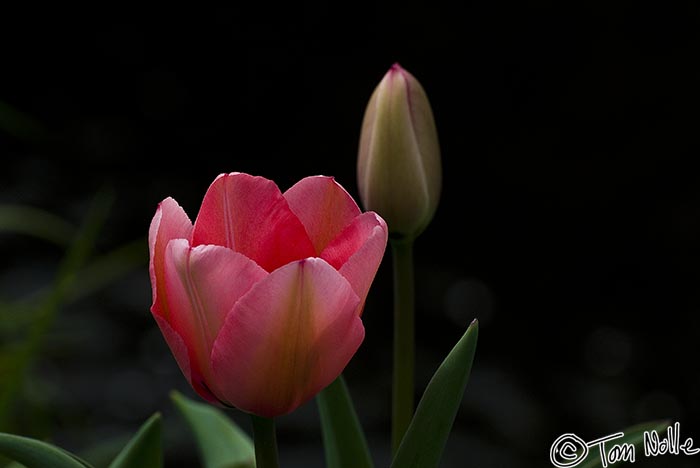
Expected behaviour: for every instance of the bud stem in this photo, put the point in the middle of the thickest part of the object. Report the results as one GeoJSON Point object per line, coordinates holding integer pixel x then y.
{"type": "Point", "coordinates": [404, 353]}
{"type": "Point", "coordinates": [265, 442]}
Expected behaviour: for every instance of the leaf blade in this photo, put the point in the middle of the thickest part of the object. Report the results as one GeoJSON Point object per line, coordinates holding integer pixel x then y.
{"type": "Point", "coordinates": [34, 222]}
{"type": "Point", "coordinates": [34, 453]}
{"type": "Point", "coordinates": [76, 255]}
{"type": "Point", "coordinates": [221, 442]}
{"type": "Point", "coordinates": [343, 439]}
{"type": "Point", "coordinates": [144, 448]}
{"type": "Point", "coordinates": [425, 439]}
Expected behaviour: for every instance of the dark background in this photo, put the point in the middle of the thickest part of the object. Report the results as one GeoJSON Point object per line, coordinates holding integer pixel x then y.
{"type": "Point", "coordinates": [569, 222]}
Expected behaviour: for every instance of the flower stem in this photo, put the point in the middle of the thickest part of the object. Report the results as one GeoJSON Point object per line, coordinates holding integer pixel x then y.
{"type": "Point", "coordinates": [265, 442]}
{"type": "Point", "coordinates": [402, 394]}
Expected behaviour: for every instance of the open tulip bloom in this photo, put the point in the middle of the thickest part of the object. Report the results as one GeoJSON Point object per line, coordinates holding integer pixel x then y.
{"type": "Point", "coordinates": [260, 299]}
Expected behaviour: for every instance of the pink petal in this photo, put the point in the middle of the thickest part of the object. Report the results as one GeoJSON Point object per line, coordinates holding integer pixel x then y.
{"type": "Point", "coordinates": [203, 284]}
{"type": "Point", "coordinates": [180, 352]}
{"type": "Point", "coordinates": [170, 222]}
{"type": "Point", "coordinates": [249, 215]}
{"type": "Point", "coordinates": [323, 207]}
{"type": "Point", "coordinates": [358, 250]}
{"type": "Point", "coordinates": [289, 337]}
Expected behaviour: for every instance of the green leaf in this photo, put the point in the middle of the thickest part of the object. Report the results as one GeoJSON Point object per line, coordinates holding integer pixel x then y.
{"type": "Point", "coordinates": [15, 465]}
{"type": "Point", "coordinates": [425, 439]}
{"type": "Point", "coordinates": [103, 451]}
{"type": "Point", "coordinates": [74, 259]}
{"type": "Point", "coordinates": [144, 449]}
{"type": "Point", "coordinates": [93, 277]}
{"type": "Point", "coordinates": [107, 268]}
{"type": "Point", "coordinates": [633, 435]}
{"type": "Point", "coordinates": [222, 444]}
{"type": "Point", "coordinates": [343, 439]}
{"type": "Point", "coordinates": [34, 453]}
{"type": "Point", "coordinates": [36, 223]}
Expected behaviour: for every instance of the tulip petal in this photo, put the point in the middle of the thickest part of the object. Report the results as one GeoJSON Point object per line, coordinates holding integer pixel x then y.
{"type": "Point", "coordinates": [426, 137]}
{"type": "Point", "coordinates": [249, 215]}
{"type": "Point", "coordinates": [203, 283]}
{"type": "Point", "coordinates": [170, 222]}
{"type": "Point", "coordinates": [358, 250]}
{"type": "Point", "coordinates": [323, 206]}
{"type": "Point", "coordinates": [288, 338]}
{"type": "Point", "coordinates": [179, 349]}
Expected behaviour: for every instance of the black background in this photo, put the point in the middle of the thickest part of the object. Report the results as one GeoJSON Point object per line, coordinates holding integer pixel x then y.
{"type": "Point", "coordinates": [569, 222]}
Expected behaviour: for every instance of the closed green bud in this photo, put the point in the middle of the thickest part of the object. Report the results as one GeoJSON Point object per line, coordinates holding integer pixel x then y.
{"type": "Point", "coordinates": [398, 167]}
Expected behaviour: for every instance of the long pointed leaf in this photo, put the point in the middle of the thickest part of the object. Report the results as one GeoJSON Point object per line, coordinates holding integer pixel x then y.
{"type": "Point", "coordinates": [221, 442]}
{"type": "Point", "coordinates": [425, 439]}
{"type": "Point", "coordinates": [34, 453]}
{"type": "Point", "coordinates": [343, 439]}
{"type": "Point", "coordinates": [144, 449]}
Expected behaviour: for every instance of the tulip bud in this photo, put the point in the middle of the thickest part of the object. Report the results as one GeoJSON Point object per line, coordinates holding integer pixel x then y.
{"type": "Point", "coordinates": [398, 167]}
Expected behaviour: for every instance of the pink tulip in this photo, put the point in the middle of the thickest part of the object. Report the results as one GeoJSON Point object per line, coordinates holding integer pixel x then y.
{"type": "Point", "coordinates": [260, 300]}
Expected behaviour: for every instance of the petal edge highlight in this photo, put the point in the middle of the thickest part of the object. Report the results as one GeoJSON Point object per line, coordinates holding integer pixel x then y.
{"type": "Point", "coordinates": [170, 222]}
{"type": "Point", "coordinates": [323, 206]}
{"type": "Point", "coordinates": [358, 251]}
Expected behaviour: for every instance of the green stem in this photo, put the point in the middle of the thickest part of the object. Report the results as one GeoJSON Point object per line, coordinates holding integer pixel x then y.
{"type": "Point", "coordinates": [403, 391]}
{"type": "Point", "coordinates": [265, 442]}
